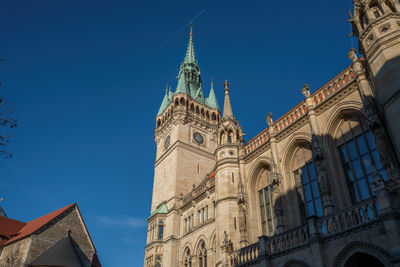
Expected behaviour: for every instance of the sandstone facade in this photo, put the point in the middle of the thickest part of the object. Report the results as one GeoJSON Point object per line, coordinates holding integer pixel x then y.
{"type": "Point", "coordinates": [318, 187]}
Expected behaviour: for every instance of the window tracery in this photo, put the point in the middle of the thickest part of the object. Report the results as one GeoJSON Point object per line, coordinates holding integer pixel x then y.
{"type": "Point", "coordinates": [359, 157]}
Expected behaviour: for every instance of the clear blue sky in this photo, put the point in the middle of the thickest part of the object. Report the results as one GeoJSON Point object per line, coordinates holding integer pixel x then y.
{"type": "Point", "coordinates": [87, 78]}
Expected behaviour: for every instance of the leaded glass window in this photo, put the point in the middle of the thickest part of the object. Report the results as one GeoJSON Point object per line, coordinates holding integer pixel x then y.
{"type": "Point", "coordinates": [308, 191]}
{"type": "Point", "coordinates": [188, 258]}
{"type": "Point", "coordinates": [202, 255]}
{"type": "Point", "coordinates": [266, 211]}
{"type": "Point", "coordinates": [359, 158]}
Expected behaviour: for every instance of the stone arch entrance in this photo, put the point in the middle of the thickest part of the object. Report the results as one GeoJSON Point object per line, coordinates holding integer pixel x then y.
{"type": "Point", "coordinates": [359, 253]}
{"type": "Point", "coordinates": [360, 259]}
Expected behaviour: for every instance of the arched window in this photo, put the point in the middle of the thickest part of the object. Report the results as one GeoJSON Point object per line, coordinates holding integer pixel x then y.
{"type": "Point", "coordinates": [214, 117]}
{"type": "Point", "coordinates": [202, 111]}
{"type": "Point", "coordinates": [160, 230]}
{"type": "Point", "coordinates": [192, 107]}
{"type": "Point", "coordinates": [305, 177]}
{"type": "Point", "coordinates": [176, 101]}
{"type": "Point", "coordinates": [377, 13]}
{"type": "Point", "coordinates": [197, 110]}
{"type": "Point", "coordinates": [359, 157]}
{"type": "Point", "coordinates": [188, 259]}
{"type": "Point", "coordinates": [202, 255]}
{"type": "Point", "coordinates": [182, 101]}
{"type": "Point", "coordinates": [158, 261]}
{"type": "Point", "coordinates": [266, 210]}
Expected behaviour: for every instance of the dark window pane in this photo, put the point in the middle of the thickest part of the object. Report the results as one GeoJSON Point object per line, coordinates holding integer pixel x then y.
{"type": "Point", "coordinates": [270, 228]}
{"type": "Point", "coordinates": [352, 150]}
{"type": "Point", "coordinates": [357, 168]}
{"type": "Point", "coordinates": [318, 207]}
{"type": "Point", "coordinates": [370, 140]}
{"type": "Point", "coordinates": [262, 211]}
{"type": "Point", "coordinates": [367, 164]}
{"type": "Point", "coordinates": [343, 154]}
{"type": "Point", "coordinates": [310, 208]}
{"type": "Point", "coordinates": [348, 172]}
{"type": "Point", "coordinates": [307, 192]}
{"type": "Point", "coordinates": [315, 190]}
{"type": "Point", "coordinates": [311, 171]}
{"type": "Point", "coordinates": [266, 193]}
{"type": "Point", "coordinates": [370, 180]}
{"type": "Point", "coordinates": [356, 197]}
{"type": "Point", "coordinates": [269, 212]}
{"type": "Point", "coordinates": [362, 146]}
{"type": "Point", "coordinates": [383, 173]}
{"type": "Point", "coordinates": [377, 160]}
{"type": "Point", "coordinates": [362, 185]}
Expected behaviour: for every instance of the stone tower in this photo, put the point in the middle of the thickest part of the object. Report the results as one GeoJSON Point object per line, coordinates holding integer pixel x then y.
{"type": "Point", "coordinates": [376, 24]}
{"type": "Point", "coordinates": [229, 187]}
{"type": "Point", "coordinates": [186, 131]}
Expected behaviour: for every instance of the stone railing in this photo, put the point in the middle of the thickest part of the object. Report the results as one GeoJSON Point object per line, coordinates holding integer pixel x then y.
{"type": "Point", "coordinates": [340, 223]}
{"type": "Point", "coordinates": [287, 240]}
{"type": "Point", "coordinates": [245, 255]}
{"type": "Point", "coordinates": [300, 110]}
{"type": "Point", "coordinates": [197, 191]}
{"type": "Point", "coordinates": [348, 219]}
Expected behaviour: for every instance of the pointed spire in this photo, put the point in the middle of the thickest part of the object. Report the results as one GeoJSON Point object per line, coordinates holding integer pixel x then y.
{"type": "Point", "coordinates": [211, 101]}
{"type": "Point", "coordinates": [190, 55]}
{"type": "Point", "coordinates": [227, 103]}
{"type": "Point", "coordinates": [165, 102]}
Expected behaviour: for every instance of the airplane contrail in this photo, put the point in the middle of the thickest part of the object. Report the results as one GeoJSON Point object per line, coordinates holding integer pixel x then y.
{"type": "Point", "coordinates": [169, 39]}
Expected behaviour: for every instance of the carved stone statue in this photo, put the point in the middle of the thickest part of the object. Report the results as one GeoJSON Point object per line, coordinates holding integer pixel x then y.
{"type": "Point", "coordinates": [306, 91]}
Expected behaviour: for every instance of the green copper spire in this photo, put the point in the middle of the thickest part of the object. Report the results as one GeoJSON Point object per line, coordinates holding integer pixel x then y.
{"type": "Point", "coordinates": [165, 101]}
{"type": "Point", "coordinates": [190, 56]}
{"type": "Point", "coordinates": [211, 101]}
{"type": "Point", "coordinates": [189, 77]}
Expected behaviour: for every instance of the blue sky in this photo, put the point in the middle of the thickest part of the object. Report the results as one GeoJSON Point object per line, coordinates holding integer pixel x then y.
{"type": "Point", "coordinates": [87, 78]}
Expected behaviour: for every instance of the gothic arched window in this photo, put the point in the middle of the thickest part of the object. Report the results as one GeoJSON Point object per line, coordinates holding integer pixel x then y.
{"type": "Point", "coordinates": [359, 157]}
{"type": "Point", "coordinates": [188, 259]}
{"type": "Point", "coordinates": [202, 255]}
{"type": "Point", "coordinates": [160, 230]}
{"type": "Point", "coordinates": [266, 210]}
{"type": "Point", "coordinates": [158, 261]}
{"type": "Point", "coordinates": [307, 188]}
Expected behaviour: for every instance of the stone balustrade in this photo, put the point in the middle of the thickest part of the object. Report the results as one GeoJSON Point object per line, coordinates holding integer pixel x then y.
{"type": "Point", "coordinates": [199, 190]}
{"type": "Point", "coordinates": [348, 219]}
{"type": "Point", "coordinates": [340, 223]}
{"type": "Point", "coordinates": [245, 255]}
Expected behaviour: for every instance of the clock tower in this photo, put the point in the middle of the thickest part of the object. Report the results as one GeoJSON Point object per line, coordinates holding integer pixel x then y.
{"type": "Point", "coordinates": [186, 138]}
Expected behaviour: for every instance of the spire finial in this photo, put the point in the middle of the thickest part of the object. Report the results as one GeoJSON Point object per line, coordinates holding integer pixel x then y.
{"type": "Point", "coordinates": [166, 88]}
{"type": "Point", "coordinates": [227, 103]}
{"type": "Point", "coordinates": [226, 85]}
{"type": "Point", "coordinates": [191, 30]}
{"type": "Point", "coordinates": [212, 83]}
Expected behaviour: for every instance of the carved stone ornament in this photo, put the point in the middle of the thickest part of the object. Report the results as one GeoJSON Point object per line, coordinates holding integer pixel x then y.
{"type": "Point", "coordinates": [306, 91]}
{"type": "Point", "coordinates": [352, 55]}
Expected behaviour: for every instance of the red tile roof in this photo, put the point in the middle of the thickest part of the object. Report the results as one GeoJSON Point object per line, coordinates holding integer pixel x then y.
{"type": "Point", "coordinates": [9, 227]}
{"type": "Point", "coordinates": [16, 230]}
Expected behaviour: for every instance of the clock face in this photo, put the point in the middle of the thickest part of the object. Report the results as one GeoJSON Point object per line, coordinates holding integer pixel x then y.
{"type": "Point", "coordinates": [198, 138]}
{"type": "Point", "coordinates": [166, 142]}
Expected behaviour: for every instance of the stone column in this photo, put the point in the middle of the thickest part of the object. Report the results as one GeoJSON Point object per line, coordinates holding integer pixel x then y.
{"type": "Point", "coordinates": [276, 178]}
{"type": "Point", "coordinates": [318, 154]}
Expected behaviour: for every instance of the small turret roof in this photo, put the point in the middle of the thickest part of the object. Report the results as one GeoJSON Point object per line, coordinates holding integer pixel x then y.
{"type": "Point", "coordinates": [227, 103]}
{"type": "Point", "coordinates": [165, 102]}
{"type": "Point", "coordinates": [161, 209]}
{"type": "Point", "coordinates": [211, 101]}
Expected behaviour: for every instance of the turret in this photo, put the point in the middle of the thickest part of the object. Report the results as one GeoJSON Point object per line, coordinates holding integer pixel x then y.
{"type": "Point", "coordinates": [376, 24]}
